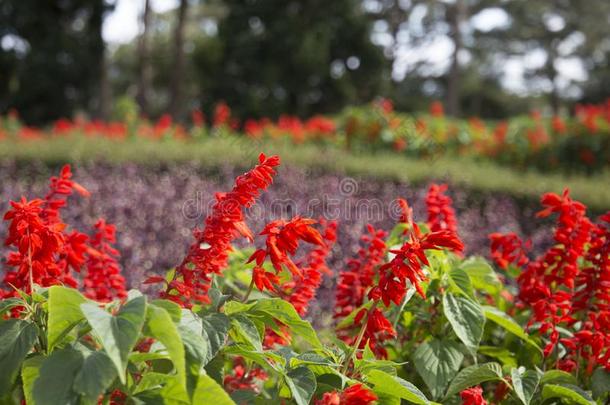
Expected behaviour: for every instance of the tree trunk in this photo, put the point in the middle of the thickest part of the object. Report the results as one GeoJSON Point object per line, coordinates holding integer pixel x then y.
{"type": "Point", "coordinates": [175, 104]}
{"type": "Point", "coordinates": [457, 15]}
{"type": "Point", "coordinates": [144, 68]}
{"type": "Point", "coordinates": [104, 102]}
{"type": "Point", "coordinates": [551, 72]}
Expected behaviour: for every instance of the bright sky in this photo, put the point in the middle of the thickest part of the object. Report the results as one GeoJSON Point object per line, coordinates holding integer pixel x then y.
{"type": "Point", "coordinates": [122, 26]}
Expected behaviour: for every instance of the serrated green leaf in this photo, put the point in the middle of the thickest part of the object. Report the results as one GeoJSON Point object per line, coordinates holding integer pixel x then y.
{"type": "Point", "coordinates": [558, 377]}
{"type": "Point", "coordinates": [482, 275]}
{"type": "Point", "coordinates": [600, 383]}
{"type": "Point", "coordinates": [509, 324]}
{"type": "Point", "coordinates": [525, 384]}
{"type": "Point", "coordinates": [55, 381]}
{"type": "Point", "coordinates": [95, 375]}
{"type": "Point", "coordinates": [474, 375]}
{"type": "Point", "coordinates": [302, 384]}
{"type": "Point", "coordinates": [215, 331]}
{"type": "Point", "coordinates": [171, 307]}
{"type": "Point", "coordinates": [64, 313]}
{"type": "Point", "coordinates": [160, 325]}
{"type": "Point", "coordinates": [466, 317]}
{"type": "Point", "coordinates": [30, 371]}
{"type": "Point", "coordinates": [460, 281]}
{"type": "Point", "coordinates": [151, 381]}
{"type": "Point", "coordinates": [118, 334]}
{"type": "Point", "coordinates": [209, 392]}
{"type": "Point", "coordinates": [571, 393]}
{"type": "Point", "coordinates": [17, 337]}
{"type": "Point", "coordinates": [244, 330]}
{"type": "Point", "coordinates": [437, 362]}
{"type": "Point", "coordinates": [388, 384]}
{"type": "Point", "coordinates": [505, 356]}
{"type": "Point", "coordinates": [284, 312]}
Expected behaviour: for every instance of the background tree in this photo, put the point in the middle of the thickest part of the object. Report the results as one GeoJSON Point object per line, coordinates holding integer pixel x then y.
{"type": "Point", "coordinates": [178, 67]}
{"type": "Point", "coordinates": [51, 64]}
{"type": "Point", "coordinates": [279, 56]}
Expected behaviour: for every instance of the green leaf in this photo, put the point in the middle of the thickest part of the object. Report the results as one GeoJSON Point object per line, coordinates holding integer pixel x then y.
{"type": "Point", "coordinates": [245, 331]}
{"type": "Point", "coordinates": [460, 281]}
{"type": "Point", "coordinates": [508, 324]}
{"type": "Point", "coordinates": [64, 313]}
{"type": "Point", "coordinates": [302, 384]}
{"type": "Point", "coordinates": [571, 393]}
{"type": "Point", "coordinates": [7, 304]}
{"type": "Point", "coordinates": [159, 325]}
{"type": "Point", "coordinates": [56, 378]}
{"type": "Point", "coordinates": [284, 312]}
{"type": "Point", "coordinates": [525, 384]}
{"type": "Point", "coordinates": [209, 392]}
{"type": "Point", "coordinates": [151, 381]}
{"type": "Point", "coordinates": [17, 337]}
{"type": "Point", "coordinates": [29, 373]}
{"type": "Point", "coordinates": [171, 307]}
{"type": "Point", "coordinates": [466, 317]}
{"type": "Point", "coordinates": [558, 377]}
{"type": "Point", "coordinates": [95, 376]}
{"type": "Point", "coordinates": [388, 384]}
{"type": "Point", "coordinates": [600, 383]}
{"type": "Point", "coordinates": [437, 362]}
{"type": "Point", "coordinates": [215, 331]}
{"type": "Point", "coordinates": [505, 356]}
{"type": "Point", "coordinates": [482, 275]}
{"type": "Point", "coordinates": [474, 375]}
{"type": "Point", "coordinates": [118, 334]}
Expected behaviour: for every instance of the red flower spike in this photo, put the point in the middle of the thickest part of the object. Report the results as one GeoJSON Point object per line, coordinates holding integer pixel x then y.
{"type": "Point", "coordinates": [473, 396]}
{"type": "Point", "coordinates": [301, 290]}
{"type": "Point", "coordinates": [356, 394]}
{"type": "Point", "coordinates": [103, 280]}
{"type": "Point", "coordinates": [47, 253]}
{"type": "Point", "coordinates": [441, 215]}
{"type": "Point", "coordinates": [507, 249]}
{"type": "Point", "coordinates": [360, 274]}
{"type": "Point", "coordinates": [263, 279]}
{"type": "Point", "coordinates": [408, 260]}
{"type": "Point", "coordinates": [283, 240]}
{"type": "Point", "coordinates": [208, 255]}
{"type": "Point", "coordinates": [243, 378]}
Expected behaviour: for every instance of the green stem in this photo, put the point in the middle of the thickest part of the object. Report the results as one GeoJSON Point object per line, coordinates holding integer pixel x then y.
{"type": "Point", "coordinates": [250, 288]}
{"type": "Point", "coordinates": [349, 358]}
{"type": "Point", "coordinates": [30, 270]}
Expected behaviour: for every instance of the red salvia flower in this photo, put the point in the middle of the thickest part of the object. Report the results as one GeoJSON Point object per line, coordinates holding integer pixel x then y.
{"type": "Point", "coordinates": [46, 252]}
{"type": "Point", "coordinates": [37, 247]}
{"type": "Point", "coordinates": [356, 281]}
{"type": "Point", "coordinates": [356, 394]}
{"type": "Point", "coordinates": [547, 284]}
{"type": "Point", "coordinates": [208, 255]}
{"type": "Point", "coordinates": [507, 249]}
{"type": "Point", "coordinates": [103, 280]}
{"type": "Point", "coordinates": [473, 396]}
{"type": "Point", "coordinates": [283, 241]}
{"type": "Point", "coordinates": [302, 289]}
{"type": "Point", "coordinates": [441, 215]}
{"type": "Point", "coordinates": [244, 379]}
{"type": "Point", "coordinates": [407, 264]}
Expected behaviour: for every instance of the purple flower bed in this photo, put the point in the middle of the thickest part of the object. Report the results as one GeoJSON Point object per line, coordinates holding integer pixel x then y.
{"type": "Point", "coordinates": [155, 208]}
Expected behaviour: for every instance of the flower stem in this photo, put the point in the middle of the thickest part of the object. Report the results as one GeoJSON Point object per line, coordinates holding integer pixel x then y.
{"type": "Point", "coordinates": [30, 270]}
{"type": "Point", "coordinates": [250, 288]}
{"type": "Point", "coordinates": [349, 358]}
